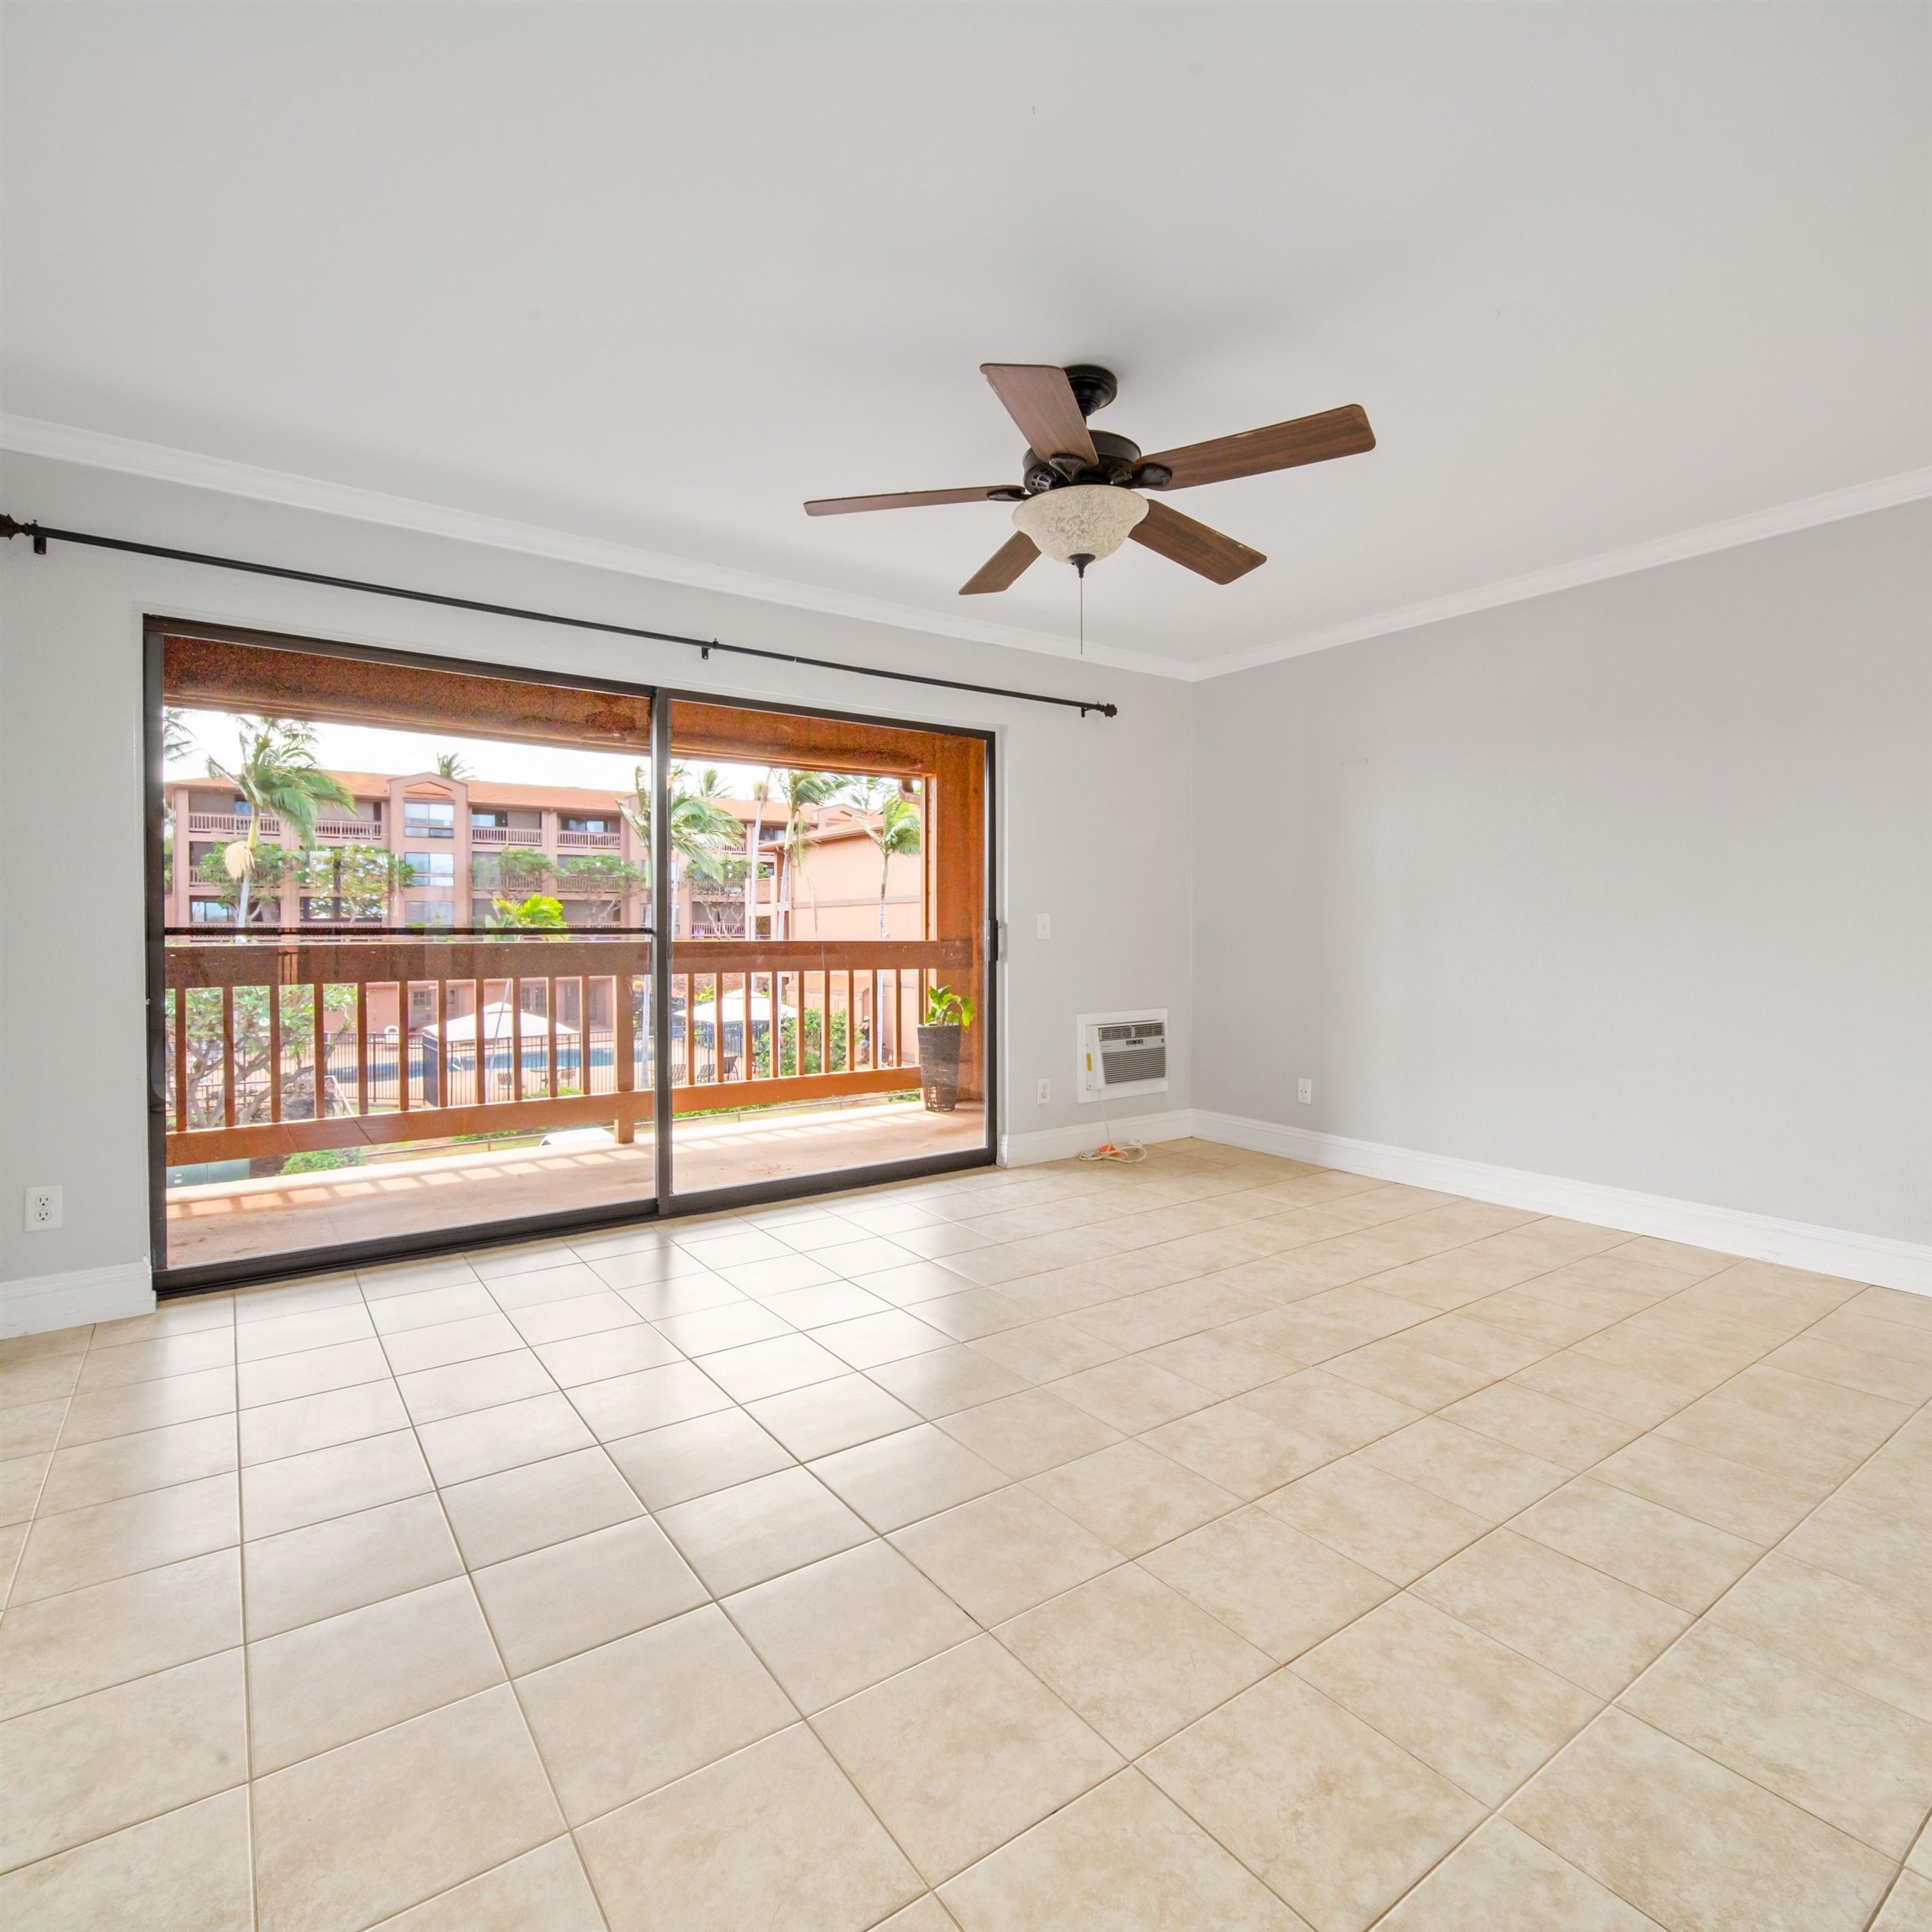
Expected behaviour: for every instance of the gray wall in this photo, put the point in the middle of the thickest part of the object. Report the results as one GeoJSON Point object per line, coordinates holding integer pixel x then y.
{"type": "Point", "coordinates": [1631, 884]}
{"type": "Point", "coordinates": [1076, 839]}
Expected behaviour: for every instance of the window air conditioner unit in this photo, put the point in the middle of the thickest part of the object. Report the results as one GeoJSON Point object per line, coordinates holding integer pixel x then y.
{"type": "Point", "coordinates": [1122, 1053]}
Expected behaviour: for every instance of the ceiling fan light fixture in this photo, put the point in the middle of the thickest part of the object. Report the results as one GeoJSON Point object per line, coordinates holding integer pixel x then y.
{"type": "Point", "coordinates": [1090, 520]}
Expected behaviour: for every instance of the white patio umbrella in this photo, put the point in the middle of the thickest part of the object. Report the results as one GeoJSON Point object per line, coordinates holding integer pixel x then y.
{"type": "Point", "coordinates": [731, 1010]}
{"type": "Point", "coordinates": [498, 1023]}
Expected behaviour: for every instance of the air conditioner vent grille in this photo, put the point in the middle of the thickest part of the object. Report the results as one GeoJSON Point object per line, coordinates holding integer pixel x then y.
{"type": "Point", "coordinates": [1123, 1053]}
{"type": "Point", "coordinates": [1138, 1063]}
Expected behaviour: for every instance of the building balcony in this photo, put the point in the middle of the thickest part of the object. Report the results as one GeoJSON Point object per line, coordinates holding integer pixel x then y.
{"type": "Point", "coordinates": [225, 825]}
{"type": "Point", "coordinates": [502, 835]}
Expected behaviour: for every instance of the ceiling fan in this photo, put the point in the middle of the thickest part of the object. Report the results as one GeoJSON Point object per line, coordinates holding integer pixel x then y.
{"type": "Point", "coordinates": [1078, 498]}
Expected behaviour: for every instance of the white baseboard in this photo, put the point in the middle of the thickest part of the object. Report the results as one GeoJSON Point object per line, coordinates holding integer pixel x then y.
{"type": "Point", "coordinates": [1063, 1143]}
{"type": "Point", "coordinates": [1873, 1258]}
{"type": "Point", "coordinates": [43, 1301]}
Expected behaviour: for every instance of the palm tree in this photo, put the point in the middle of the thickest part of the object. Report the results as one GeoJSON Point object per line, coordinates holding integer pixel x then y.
{"type": "Point", "coordinates": [276, 773]}
{"type": "Point", "coordinates": [452, 765]}
{"type": "Point", "coordinates": [868, 794]}
{"type": "Point", "coordinates": [797, 791]}
{"type": "Point", "coordinates": [896, 833]}
{"type": "Point", "coordinates": [761, 794]}
{"type": "Point", "coordinates": [702, 832]}
{"type": "Point", "coordinates": [508, 914]}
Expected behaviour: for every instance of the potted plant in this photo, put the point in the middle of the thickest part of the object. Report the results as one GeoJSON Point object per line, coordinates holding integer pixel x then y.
{"type": "Point", "coordinates": [947, 1014]}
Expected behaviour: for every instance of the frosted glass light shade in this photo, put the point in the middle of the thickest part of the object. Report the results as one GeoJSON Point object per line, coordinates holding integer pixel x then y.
{"type": "Point", "coordinates": [1082, 520]}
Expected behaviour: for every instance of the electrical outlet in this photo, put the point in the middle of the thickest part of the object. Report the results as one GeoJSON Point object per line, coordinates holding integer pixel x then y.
{"type": "Point", "coordinates": [1043, 1093]}
{"type": "Point", "coordinates": [1042, 925]}
{"type": "Point", "coordinates": [1305, 1092]}
{"type": "Point", "coordinates": [43, 1209]}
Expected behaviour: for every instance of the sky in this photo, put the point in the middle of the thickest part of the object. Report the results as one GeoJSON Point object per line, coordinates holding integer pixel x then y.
{"type": "Point", "coordinates": [373, 748]}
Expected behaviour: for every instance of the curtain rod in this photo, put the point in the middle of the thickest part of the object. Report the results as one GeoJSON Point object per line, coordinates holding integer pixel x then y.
{"type": "Point", "coordinates": [43, 535]}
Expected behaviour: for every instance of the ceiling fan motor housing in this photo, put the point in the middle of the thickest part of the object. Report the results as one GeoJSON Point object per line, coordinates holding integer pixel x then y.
{"type": "Point", "coordinates": [1117, 459]}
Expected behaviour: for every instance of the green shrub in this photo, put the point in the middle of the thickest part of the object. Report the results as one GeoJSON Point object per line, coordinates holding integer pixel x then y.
{"type": "Point", "coordinates": [321, 1160]}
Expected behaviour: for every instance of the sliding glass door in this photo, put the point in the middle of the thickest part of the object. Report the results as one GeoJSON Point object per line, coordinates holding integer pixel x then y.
{"type": "Point", "coordinates": [828, 888]}
{"type": "Point", "coordinates": [404, 918]}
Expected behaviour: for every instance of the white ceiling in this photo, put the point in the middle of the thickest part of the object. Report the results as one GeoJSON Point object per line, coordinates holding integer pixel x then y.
{"type": "Point", "coordinates": [1600, 275]}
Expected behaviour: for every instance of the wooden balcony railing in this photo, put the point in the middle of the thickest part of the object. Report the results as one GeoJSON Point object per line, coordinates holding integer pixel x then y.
{"type": "Point", "coordinates": [505, 835]}
{"type": "Point", "coordinates": [274, 1045]}
{"type": "Point", "coordinates": [222, 825]}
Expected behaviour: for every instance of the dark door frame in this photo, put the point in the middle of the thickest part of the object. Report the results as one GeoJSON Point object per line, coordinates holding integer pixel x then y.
{"type": "Point", "coordinates": [666, 1203]}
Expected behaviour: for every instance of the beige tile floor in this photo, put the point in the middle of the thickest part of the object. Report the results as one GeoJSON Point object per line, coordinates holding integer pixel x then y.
{"type": "Point", "coordinates": [1215, 1543]}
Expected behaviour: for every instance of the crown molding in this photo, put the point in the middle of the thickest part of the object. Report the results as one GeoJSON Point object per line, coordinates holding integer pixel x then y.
{"type": "Point", "coordinates": [156, 462]}
{"type": "Point", "coordinates": [31, 436]}
{"type": "Point", "coordinates": [1884, 493]}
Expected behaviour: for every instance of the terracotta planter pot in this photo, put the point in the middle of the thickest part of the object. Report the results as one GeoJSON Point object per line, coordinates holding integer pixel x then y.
{"type": "Point", "coordinates": [939, 1067]}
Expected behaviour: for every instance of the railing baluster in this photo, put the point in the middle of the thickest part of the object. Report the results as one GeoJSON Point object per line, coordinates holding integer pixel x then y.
{"type": "Point", "coordinates": [623, 1051]}
{"type": "Point", "coordinates": [184, 1118]}
{"type": "Point", "coordinates": [361, 1046]}
{"type": "Point", "coordinates": [690, 1026]}
{"type": "Point", "coordinates": [578, 1067]}
{"type": "Point", "coordinates": [550, 1036]}
{"type": "Point", "coordinates": [443, 1094]}
{"type": "Point", "coordinates": [228, 1056]}
{"type": "Point", "coordinates": [402, 1045]}
{"type": "Point", "coordinates": [479, 1088]}
{"type": "Point", "coordinates": [321, 1054]}
{"type": "Point", "coordinates": [275, 1050]}
{"type": "Point", "coordinates": [516, 1037]}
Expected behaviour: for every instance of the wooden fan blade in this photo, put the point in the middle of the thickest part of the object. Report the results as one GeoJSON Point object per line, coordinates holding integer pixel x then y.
{"type": "Point", "coordinates": [1182, 541]}
{"type": "Point", "coordinates": [1041, 400]}
{"type": "Point", "coordinates": [1343, 432]}
{"type": "Point", "coordinates": [1003, 567]}
{"type": "Point", "coordinates": [902, 500]}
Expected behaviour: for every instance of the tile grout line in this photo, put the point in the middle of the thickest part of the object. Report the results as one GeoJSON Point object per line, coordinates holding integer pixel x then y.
{"type": "Point", "coordinates": [1898, 1876]}
{"type": "Point", "coordinates": [249, 1836]}
{"type": "Point", "coordinates": [1696, 1623]}
{"type": "Point", "coordinates": [1133, 1763]}
{"type": "Point", "coordinates": [1496, 1811]}
{"type": "Point", "coordinates": [1241, 1503]}
{"type": "Point", "coordinates": [713, 1601]}
{"type": "Point", "coordinates": [496, 1649]}
{"type": "Point", "coordinates": [716, 1604]}
{"type": "Point", "coordinates": [1404, 1589]}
